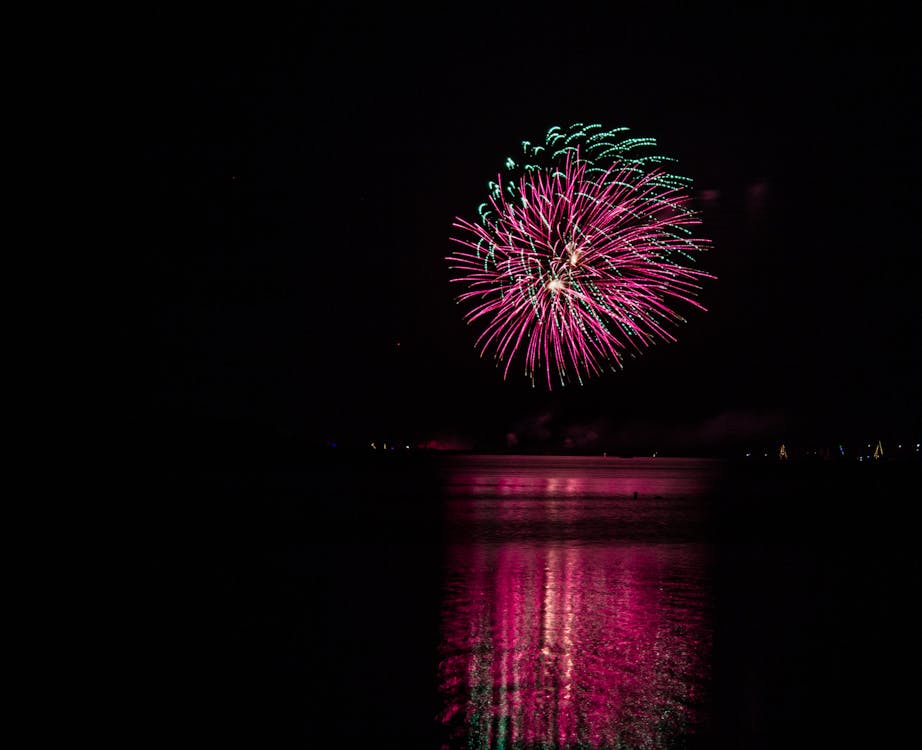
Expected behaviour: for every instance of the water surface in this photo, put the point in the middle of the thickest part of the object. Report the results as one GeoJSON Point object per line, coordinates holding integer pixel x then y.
{"type": "Point", "coordinates": [437, 601]}
{"type": "Point", "coordinates": [577, 602]}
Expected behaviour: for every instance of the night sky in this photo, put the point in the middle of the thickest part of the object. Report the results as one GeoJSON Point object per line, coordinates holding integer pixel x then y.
{"type": "Point", "coordinates": [304, 172]}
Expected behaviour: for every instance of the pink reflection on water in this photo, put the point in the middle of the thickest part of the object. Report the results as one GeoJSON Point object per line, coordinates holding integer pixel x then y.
{"type": "Point", "coordinates": [498, 497]}
{"type": "Point", "coordinates": [566, 645]}
{"type": "Point", "coordinates": [582, 476]}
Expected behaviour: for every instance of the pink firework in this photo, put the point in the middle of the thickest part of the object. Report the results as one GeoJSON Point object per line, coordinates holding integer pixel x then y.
{"type": "Point", "coordinates": [574, 266]}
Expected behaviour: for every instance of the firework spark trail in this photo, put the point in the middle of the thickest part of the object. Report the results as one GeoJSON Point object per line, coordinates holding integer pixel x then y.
{"type": "Point", "coordinates": [573, 263]}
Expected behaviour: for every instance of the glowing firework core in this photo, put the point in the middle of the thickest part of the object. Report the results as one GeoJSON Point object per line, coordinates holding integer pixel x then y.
{"type": "Point", "coordinates": [573, 250]}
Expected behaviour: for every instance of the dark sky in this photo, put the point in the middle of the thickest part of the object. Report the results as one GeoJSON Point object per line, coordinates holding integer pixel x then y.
{"type": "Point", "coordinates": [304, 173]}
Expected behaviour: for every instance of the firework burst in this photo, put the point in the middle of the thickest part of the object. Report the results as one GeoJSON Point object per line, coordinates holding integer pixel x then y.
{"type": "Point", "coordinates": [578, 255]}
